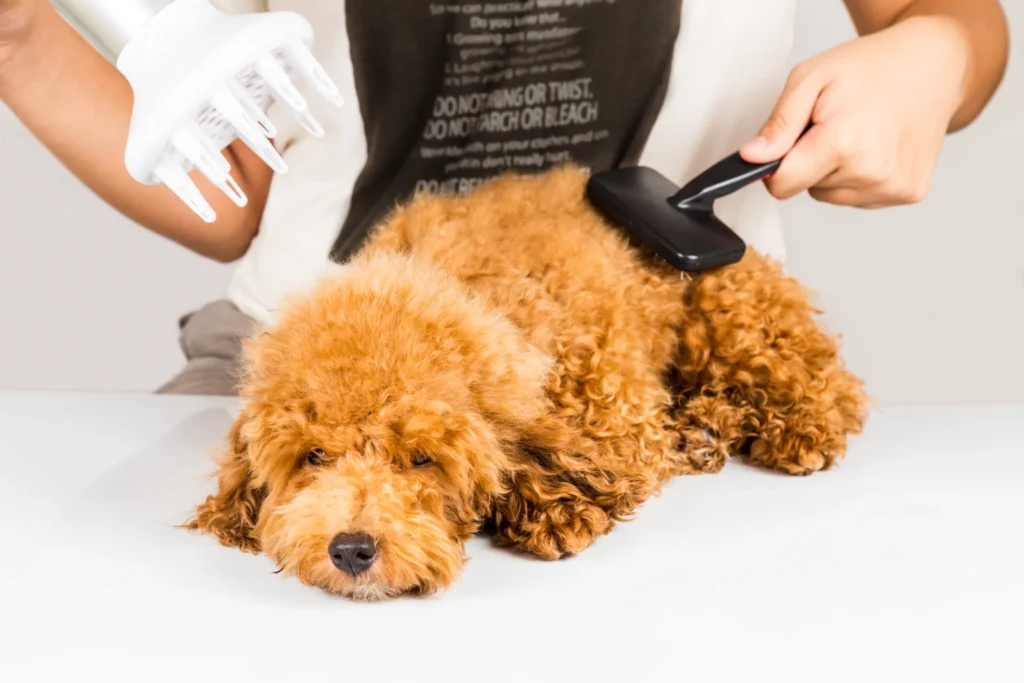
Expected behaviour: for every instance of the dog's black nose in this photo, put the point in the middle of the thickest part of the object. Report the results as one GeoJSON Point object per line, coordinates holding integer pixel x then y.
{"type": "Point", "coordinates": [352, 553]}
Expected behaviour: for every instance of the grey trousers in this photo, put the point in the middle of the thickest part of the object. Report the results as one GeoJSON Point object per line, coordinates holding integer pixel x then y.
{"type": "Point", "coordinates": [211, 339]}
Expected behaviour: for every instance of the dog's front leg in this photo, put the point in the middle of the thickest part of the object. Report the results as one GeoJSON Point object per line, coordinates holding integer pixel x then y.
{"type": "Point", "coordinates": [560, 501]}
{"type": "Point", "coordinates": [548, 516]}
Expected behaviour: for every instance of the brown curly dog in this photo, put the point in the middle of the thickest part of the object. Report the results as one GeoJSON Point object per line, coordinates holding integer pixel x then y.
{"type": "Point", "coordinates": [508, 358]}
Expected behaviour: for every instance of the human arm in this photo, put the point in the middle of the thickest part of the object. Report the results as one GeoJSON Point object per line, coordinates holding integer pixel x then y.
{"type": "Point", "coordinates": [883, 103]}
{"type": "Point", "coordinates": [79, 106]}
{"type": "Point", "coordinates": [984, 33]}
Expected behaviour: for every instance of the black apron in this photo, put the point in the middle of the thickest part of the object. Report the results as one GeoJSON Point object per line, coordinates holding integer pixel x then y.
{"type": "Point", "coordinates": [455, 92]}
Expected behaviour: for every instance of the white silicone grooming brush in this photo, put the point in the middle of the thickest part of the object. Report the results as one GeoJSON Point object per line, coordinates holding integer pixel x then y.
{"type": "Point", "coordinates": [201, 79]}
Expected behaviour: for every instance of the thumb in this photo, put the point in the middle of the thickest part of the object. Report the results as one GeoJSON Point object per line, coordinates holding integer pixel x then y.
{"type": "Point", "coordinates": [787, 122]}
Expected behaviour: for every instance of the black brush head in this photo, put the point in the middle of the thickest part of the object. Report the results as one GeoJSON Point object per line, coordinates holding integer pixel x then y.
{"type": "Point", "coordinates": [690, 239]}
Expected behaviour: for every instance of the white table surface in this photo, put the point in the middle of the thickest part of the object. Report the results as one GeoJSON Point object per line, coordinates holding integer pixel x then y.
{"type": "Point", "coordinates": [905, 563]}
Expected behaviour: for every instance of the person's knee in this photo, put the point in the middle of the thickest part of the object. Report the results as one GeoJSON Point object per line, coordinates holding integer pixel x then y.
{"type": "Point", "coordinates": [214, 331]}
{"type": "Point", "coordinates": [204, 377]}
{"type": "Point", "coordinates": [211, 340]}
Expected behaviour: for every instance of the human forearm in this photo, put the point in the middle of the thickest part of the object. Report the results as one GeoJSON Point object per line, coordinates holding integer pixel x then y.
{"type": "Point", "coordinates": [79, 106]}
{"type": "Point", "coordinates": [978, 26]}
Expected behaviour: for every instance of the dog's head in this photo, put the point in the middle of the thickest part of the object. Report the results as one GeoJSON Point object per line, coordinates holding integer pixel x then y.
{"type": "Point", "coordinates": [383, 416]}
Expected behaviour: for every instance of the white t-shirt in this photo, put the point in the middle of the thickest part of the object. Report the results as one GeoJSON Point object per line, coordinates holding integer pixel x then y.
{"type": "Point", "coordinates": [443, 94]}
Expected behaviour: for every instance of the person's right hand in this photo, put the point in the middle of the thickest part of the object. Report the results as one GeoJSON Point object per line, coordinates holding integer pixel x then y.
{"type": "Point", "coordinates": [16, 20]}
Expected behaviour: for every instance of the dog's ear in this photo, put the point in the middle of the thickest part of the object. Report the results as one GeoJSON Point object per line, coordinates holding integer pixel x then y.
{"type": "Point", "coordinates": [231, 514]}
{"type": "Point", "coordinates": [554, 450]}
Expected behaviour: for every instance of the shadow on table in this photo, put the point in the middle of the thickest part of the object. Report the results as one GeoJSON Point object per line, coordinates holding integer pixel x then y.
{"type": "Point", "coordinates": [132, 512]}
{"type": "Point", "coordinates": [128, 519]}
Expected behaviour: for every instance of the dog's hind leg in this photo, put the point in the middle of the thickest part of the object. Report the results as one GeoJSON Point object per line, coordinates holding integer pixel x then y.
{"type": "Point", "coordinates": [757, 376]}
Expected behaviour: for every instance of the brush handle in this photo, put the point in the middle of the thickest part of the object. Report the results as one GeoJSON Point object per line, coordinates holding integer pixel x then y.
{"type": "Point", "coordinates": [727, 176]}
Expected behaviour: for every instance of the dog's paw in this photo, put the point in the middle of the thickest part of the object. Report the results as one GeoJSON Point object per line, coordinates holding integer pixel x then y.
{"type": "Point", "coordinates": [560, 529]}
{"type": "Point", "coordinates": [701, 452]}
{"type": "Point", "coordinates": [798, 460]}
{"type": "Point", "coordinates": [565, 529]}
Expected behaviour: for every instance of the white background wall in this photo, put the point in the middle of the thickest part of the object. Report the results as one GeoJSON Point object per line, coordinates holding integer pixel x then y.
{"type": "Point", "coordinates": [929, 299]}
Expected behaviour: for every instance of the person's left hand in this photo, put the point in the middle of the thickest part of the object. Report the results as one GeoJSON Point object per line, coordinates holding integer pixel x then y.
{"type": "Point", "coordinates": [880, 106]}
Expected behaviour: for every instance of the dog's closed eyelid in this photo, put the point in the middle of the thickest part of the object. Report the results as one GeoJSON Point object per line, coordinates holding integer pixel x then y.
{"type": "Point", "coordinates": [416, 461]}
{"type": "Point", "coordinates": [314, 457]}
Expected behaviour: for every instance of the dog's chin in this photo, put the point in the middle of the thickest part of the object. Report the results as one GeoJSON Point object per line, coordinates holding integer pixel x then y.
{"type": "Point", "coordinates": [368, 587]}
{"type": "Point", "coordinates": [370, 592]}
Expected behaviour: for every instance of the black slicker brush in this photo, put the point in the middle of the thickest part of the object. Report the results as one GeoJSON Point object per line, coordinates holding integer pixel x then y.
{"type": "Point", "coordinates": [679, 225]}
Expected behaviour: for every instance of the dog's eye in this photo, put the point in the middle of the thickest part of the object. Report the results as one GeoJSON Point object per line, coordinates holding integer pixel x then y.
{"type": "Point", "coordinates": [420, 460]}
{"type": "Point", "coordinates": [315, 457]}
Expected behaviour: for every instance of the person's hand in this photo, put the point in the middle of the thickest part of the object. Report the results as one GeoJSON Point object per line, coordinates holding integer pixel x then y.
{"type": "Point", "coordinates": [16, 20]}
{"type": "Point", "coordinates": [880, 106]}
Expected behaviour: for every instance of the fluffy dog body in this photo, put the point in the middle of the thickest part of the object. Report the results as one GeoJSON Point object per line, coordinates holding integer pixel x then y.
{"type": "Point", "coordinates": [508, 358]}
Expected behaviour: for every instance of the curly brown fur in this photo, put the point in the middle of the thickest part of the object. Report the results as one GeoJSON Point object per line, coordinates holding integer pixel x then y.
{"type": "Point", "coordinates": [759, 374]}
{"type": "Point", "coordinates": [547, 376]}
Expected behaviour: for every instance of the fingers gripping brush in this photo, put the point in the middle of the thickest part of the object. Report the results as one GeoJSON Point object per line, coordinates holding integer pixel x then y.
{"type": "Point", "coordinates": [202, 79]}
{"type": "Point", "coordinates": [678, 224]}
